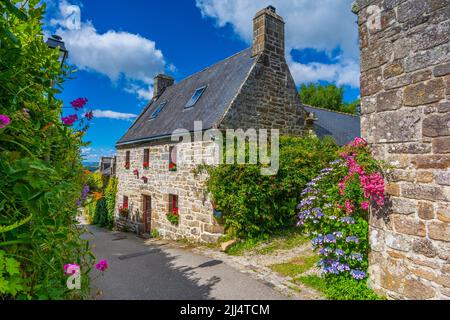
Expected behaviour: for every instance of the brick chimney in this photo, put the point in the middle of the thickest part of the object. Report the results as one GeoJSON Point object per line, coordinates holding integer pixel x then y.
{"type": "Point", "coordinates": [268, 32]}
{"type": "Point", "coordinates": [161, 83]}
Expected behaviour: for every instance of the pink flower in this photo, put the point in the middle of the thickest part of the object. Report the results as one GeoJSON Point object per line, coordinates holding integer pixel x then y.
{"type": "Point", "coordinates": [69, 120]}
{"type": "Point", "coordinates": [365, 205]}
{"type": "Point", "coordinates": [71, 268]}
{"type": "Point", "coordinates": [4, 121]}
{"type": "Point", "coordinates": [102, 265]}
{"type": "Point", "coordinates": [79, 103]}
{"type": "Point", "coordinates": [89, 115]}
{"type": "Point", "coordinates": [358, 142]}
{"type": "Point", "coordinates": [349, 207]}
{"type": "Point", "coordinates": [373, 186]}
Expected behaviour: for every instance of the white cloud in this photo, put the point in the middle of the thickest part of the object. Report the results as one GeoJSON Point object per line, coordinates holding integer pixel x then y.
{"type": "Point", "coordinates": [93, 154]}
{"type": "Point", "coordinates": [323, 25]}
{"type": "Point", "coordinates": [115, 54]}
{"type": "Point", "coordinates": [109, 114]}
{"type": "Point", "coordinates": [343, 73]}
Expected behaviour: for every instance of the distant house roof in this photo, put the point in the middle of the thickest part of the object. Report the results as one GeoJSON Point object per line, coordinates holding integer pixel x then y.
{"type": "Point", "coordinates": [222, 80]}
{"type": "Point", "coordinates": [341, 126]}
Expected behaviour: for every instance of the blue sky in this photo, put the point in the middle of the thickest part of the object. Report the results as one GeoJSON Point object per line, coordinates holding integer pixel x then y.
{"type": "Point", "coordinates": [119, 46]}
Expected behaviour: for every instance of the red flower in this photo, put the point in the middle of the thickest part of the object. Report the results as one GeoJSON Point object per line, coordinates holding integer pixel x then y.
{"type": "Point", "coordinates": [79, 103]}
{"type": "Point", "coordinates": [69, 120]}
{"type": "Point", "coordinates": [172, 166]}
{"type": "Point", "coordinates": [127, 165]}
{"type": "Point", "coordinates": [145, 165]}
{"type": "Point", "coordinates": [89, 115]}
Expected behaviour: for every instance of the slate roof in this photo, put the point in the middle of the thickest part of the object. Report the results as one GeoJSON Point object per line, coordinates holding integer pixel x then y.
{"type": "Point", "coordinates": [223, 81]}
{"type": "Point", "coordinates": [342, 127]}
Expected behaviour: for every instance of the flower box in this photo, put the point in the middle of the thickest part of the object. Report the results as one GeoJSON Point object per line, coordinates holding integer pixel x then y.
{"type": "Point", "coordinates": [145, 165]}
{"type": "Point", "coordinates": [172, 167]}
{"type": "Point", "coordinates": [126, 165]}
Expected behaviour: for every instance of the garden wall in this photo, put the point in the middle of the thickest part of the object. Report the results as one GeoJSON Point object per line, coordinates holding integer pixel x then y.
{"type": "Point", "coordinates": [405, 90]}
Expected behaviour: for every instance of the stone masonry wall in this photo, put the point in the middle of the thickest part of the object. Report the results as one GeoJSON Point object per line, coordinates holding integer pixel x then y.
{"type": "Point", "coordinates": [405, 65]}
{"type": "Point", "coordinates": [268, 100]}
{"type": "Point", "coordinates": [195, 209]}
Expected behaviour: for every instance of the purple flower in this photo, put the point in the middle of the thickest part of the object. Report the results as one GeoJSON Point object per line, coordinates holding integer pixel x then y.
{"type": "Point", "coordinates": [102, 265]}
{"type": "Point", "coordinates": [338, 234]}
{"type": "Point", "coordinates": [85, 192]}
{"type": "Point", "coordinates": [317, 240]}
{"type": "Point", "coordinates": [4, 121]}
{"type": "Point", "coordinates": [339, 252]}
{"type": "Point", "coordinates": [347, 220]}
{"type": "Point", "coordinates": [357, 274]}
{"type": "Point", "coordinates": [352, 239]}
{"type": "Point", "coordinates": [329, 238]}
{"type": "Point", "coordinates": [356, 256]}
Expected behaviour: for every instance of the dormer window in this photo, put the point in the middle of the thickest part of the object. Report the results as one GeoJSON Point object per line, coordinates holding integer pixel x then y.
{"type": "Point", "coordinates": [158, 110]}
{"type": "Point", "coordinates": [197, 94]}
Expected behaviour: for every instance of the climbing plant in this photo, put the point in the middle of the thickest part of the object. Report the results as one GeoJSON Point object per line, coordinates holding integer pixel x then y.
{"type": "Point", "coordinates": [40, 164]}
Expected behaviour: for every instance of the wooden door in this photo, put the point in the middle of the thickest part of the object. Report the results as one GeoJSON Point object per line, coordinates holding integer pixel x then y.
{"type": "Point", "coordinates": [147, 213]}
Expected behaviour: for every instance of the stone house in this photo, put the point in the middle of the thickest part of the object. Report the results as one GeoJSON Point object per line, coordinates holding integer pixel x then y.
{"type": "Point", "coordinates": [251, 89]}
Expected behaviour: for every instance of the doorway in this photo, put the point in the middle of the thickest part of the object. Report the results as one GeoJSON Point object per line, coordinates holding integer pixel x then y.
{"type": "Point", "coordinates": [147, 210]}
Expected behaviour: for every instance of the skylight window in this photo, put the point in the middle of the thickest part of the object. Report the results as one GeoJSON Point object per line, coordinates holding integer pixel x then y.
{"type": "Point", "coordinates": [197, 94]}
{"type": "Point", "coordinates": [158, 110]}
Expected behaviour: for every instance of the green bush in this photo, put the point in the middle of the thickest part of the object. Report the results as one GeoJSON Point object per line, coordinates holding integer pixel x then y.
{"type": "Point", "coordinates": [40, 165]}
{"type": "Point", "coordinates": [255, 205]}
{"type": "Point", "coordinates": [99, 208]}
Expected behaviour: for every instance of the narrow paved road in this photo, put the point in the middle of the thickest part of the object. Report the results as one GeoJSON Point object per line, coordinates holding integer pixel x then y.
{"type": "Point", "coordinates": [140, 270]}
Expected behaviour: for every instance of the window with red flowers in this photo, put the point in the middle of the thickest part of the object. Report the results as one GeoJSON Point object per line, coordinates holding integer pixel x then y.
{"type": "Point", "coordinates": [173, 158]}
{"type": "Point", "coordinates": [173, 203]}
{"type": "Point", "coordinates": [146, 160]}
{"type": "Point", "coordinates": [127, 160]}
{"type": "Point", "coordinates": [125, 202]}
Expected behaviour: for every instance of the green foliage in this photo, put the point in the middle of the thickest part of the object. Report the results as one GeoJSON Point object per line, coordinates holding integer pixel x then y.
{"type": "Point", "coordinates": [340, 288]}
{"type": "Point", "coordinates": [40, 164]}
{"type": "Point", "coordinates": [327, 96]}
{"type": "Point", "coordinates": [99, 208]}
{"type": "Point", "coordinates": [346, 288]}
{"type": "Point", "coordinates": [257, 206]}
{"type": "Point", "coordinates": [11, 282]}
{"type": "Point", "coordinates": [110, 198]}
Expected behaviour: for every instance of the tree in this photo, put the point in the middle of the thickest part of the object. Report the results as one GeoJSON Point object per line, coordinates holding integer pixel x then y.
{"type": "Point", "coordinates": [326, 96]}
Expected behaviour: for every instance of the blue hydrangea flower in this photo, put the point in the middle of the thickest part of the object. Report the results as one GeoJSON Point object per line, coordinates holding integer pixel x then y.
{"type": "Point", "coordinates": [338, 234]}
{"type": "Point", "coordinates": [317, 240]}
{"type": "Point", "coordinates": [347, 220]}
{"type": "Point", "coordinates": [329, 238]}
{"type": "Point", "coordinates": [358, 274]}
{"type": "Point", "coordinates": [352, 239]}
{"type": "Point", "coordinates": [356, 256]}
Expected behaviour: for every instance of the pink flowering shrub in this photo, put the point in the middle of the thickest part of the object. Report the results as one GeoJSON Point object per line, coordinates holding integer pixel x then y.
{"type": "Point", "coordinates": [334, 210]}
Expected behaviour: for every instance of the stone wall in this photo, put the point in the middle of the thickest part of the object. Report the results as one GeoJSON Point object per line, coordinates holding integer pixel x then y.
{"type": "Point", "coordinates": [405, 65]}
{"type": "Point", "coordinates": [195, 209]}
